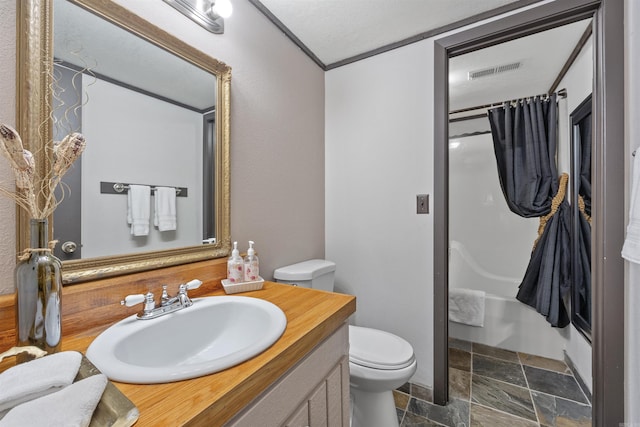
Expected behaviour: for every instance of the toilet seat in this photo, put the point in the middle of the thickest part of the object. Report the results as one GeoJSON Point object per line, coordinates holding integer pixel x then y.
{"type": "Point", "coordinates": [377, 349]}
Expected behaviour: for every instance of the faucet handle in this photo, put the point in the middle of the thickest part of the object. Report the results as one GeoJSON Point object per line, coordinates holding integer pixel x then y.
{"type": "Point", "coordinates": [131, 300]}
{"type": "Point", "coordinates": [147, 299]}
{"type": "Point", "coordinates": [182, 293]}
{"type": "Point", "coordinates": [193, 284]}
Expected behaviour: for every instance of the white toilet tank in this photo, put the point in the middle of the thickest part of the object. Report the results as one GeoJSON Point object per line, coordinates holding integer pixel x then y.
{"type": "Point", "coordinates": [314, 273]}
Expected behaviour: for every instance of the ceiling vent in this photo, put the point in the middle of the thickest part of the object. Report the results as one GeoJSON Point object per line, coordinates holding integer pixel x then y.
{"type": "Point", "coordinates": [485, 72]}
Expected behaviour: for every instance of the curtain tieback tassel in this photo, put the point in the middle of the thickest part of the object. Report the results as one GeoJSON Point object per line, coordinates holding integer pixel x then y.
{"type": "Point", "coordinates": [555, 204]}
{"type": "Point", "coordinates": [581, 206]}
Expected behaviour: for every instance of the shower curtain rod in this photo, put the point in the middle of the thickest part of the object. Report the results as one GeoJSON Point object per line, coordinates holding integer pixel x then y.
{"type": "Point", "coordinates": [562, 93]}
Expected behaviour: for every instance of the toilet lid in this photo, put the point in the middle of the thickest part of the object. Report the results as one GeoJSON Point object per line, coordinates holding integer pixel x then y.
{"type": "Point", "coordinates": [377, 349]}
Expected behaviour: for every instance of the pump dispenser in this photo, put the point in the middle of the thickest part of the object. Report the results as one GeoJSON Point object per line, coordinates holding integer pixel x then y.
{"type": "Point", "coordinates": [251, 265]}
{"type": "Point", "coordinates": [235, 266]}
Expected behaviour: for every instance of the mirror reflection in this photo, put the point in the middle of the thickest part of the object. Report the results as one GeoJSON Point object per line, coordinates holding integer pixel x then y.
{"type": "Point", "coordinates": [149, 117]}
{"type": "Point", "coordinates": [163, 77]}
{"type": "Point", "coordinates": [581, 208]}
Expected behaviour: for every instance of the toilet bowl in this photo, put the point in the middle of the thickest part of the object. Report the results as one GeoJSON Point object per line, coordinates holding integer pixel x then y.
{"type": "Point", "coordinates": [379, 361]}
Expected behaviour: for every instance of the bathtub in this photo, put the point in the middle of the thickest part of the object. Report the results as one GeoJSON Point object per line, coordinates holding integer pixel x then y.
{"type": "Point", "coordinates": [508, 323]}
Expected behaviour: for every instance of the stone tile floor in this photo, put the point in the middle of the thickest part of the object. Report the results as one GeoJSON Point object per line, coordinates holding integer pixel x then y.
{"type": "Point", "coordinates": [492, 387]}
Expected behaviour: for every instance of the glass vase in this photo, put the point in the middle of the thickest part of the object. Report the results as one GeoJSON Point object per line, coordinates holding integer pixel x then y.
{"type": "Point", "coordinates": [38, 294]}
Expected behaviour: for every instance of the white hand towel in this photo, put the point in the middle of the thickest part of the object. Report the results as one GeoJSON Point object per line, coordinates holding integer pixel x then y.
{"type": "Point", "coordinates": [139, 209]}
{"type": "Point", "coordinates": [72, 406]}
{"type": "Point", "coordinates": [631, 247]}
{"type": "Point", "coordinates": [466, 306]}
{"type": "Point", "coordinates": [165, 209]}
{"type": "Point", "coordinates": [37, 378]}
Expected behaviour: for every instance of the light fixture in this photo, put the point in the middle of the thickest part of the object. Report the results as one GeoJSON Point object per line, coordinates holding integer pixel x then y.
{"type": "Point", "coordinates": [209, 14]}
{"type": "Point", "coordinates": [221, 9]}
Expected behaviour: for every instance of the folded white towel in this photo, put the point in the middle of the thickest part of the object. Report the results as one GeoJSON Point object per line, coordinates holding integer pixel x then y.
{"type": "Point", "coordinates": [37, 378]}
{"type": "Point", "coordinates": [164, 216]}
{"type": "Point", "coordinates": [72, 406]}
{"type": "Point", "coordinates": [466, 306]}
{"type": "Point", "coordinates": [139, 209]}
{"type": "Point", "coordinates": [631, 247]}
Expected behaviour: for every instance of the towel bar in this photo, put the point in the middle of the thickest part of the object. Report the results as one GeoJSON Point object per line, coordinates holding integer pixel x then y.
{"type": "Point", "coordinates": [123, 188]}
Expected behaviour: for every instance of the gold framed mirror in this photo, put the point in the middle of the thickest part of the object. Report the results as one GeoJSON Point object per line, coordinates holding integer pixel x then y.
{"type": "Point", "coordinates": [35, 117]}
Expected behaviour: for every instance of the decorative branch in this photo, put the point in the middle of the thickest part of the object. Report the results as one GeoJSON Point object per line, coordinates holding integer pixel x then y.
{"type": "Point", "coordinates": [29, 184]}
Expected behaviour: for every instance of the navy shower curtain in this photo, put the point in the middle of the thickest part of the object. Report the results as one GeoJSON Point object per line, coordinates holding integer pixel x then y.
{"type": "Point", "coordinates": [525, 140]}
{"type": "Point", "coordinates": [582, 267]}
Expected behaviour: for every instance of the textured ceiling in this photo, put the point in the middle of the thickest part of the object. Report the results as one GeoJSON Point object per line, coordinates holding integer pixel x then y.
{"type": "Point", "coordinates": [539, 67]}
{"type": "Point", "coordinates": [335, 30]}
{"type": "Point", "coordinates": [90, 43]}
{"type": "Point", "coordinates": [339, 31]}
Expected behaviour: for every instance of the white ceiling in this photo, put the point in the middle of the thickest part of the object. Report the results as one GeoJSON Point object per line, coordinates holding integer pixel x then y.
{"type": "Point", "coordinates": [91, 43]}
{"type": "Point", "coordinates": [335, 30]}
{"type": "Point", "coordinates": [539, 67]}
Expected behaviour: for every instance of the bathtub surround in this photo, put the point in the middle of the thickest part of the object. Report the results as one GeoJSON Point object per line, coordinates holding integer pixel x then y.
{"type": "Point", "coordinates": [475, 197]}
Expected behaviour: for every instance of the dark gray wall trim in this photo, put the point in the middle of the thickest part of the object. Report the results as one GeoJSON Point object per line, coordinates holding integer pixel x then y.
{"type": "Point", "coordinates": [608, 185]}
{"type": "Point", "coordinates": [436, 31]}
{"type": "Point", "coordinates": [287, 32]}
{"type": "Point", "coordinates": [418, 37]}
{"type": "Point", "coordinates": [608, 228]}
{"type": "Point", "coordinates": [441, 226]}
{"type": "Point", "coordinates": [131, 87]}
{"type": "Point", "coordinates": [520, 25]}
{"type": "Point", "coordinates": [572, 58]}
{"type": "Point", "coordinates": [208, 175]}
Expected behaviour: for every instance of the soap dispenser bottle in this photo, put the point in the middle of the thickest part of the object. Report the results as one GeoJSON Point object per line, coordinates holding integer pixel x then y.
{"type": "Point", "coordinates": [251, 265]}
{"type": "Point", "coordinates": [235, 266]}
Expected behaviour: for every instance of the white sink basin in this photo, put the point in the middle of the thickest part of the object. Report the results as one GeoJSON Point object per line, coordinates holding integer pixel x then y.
{"type": "Point", "coordinates": [213, 334]}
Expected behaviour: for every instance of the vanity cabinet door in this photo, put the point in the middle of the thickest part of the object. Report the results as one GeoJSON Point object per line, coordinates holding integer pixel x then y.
{"type": "Point", "coordinates": [301, 417]}
{"type": "Point", "coordinates": [314, 393]}
{"type": "Point", "coordinates": [324, 408]}
{"type": "Point", "coordinates": [318, 406]}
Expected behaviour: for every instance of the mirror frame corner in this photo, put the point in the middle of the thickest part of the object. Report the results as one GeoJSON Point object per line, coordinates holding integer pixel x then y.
{"type": "Point", "coordinates": [34, 80]}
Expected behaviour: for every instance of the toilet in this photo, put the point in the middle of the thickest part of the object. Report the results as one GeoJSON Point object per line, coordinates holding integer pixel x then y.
{"type": "Point", "coordinates": [379, 361]}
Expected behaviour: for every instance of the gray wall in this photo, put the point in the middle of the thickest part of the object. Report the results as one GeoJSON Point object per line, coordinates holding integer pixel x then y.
{"type": "Point", "coordinates": [277, 133]}
{"type": "Point", "coordinates": [7, 115]}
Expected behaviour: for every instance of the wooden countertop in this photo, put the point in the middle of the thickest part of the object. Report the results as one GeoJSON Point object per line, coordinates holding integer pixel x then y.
{"type": "Point", "coordinates": [212, 400]}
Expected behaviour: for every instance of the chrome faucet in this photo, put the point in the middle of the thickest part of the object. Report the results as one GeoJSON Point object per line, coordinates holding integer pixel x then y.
{"type": "Point", "coordinates": [167, 304]}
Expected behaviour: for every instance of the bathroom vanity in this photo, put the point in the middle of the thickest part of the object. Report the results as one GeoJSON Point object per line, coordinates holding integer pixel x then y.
{"type": "Point", "coordinates": [302, 379]}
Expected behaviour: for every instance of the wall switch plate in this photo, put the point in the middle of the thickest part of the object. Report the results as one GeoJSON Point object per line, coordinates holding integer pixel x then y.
{"type": "Point", "coordinates": [423, 203]}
